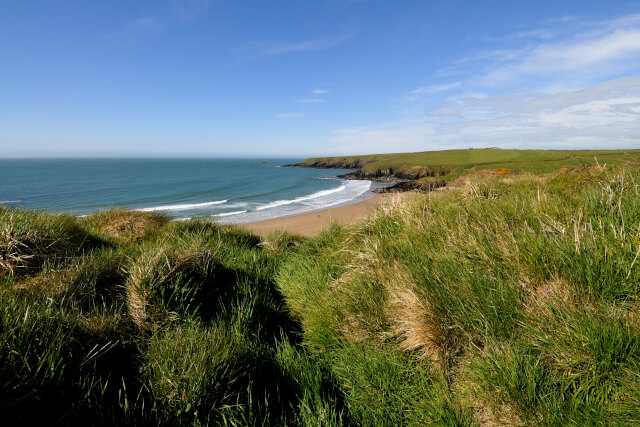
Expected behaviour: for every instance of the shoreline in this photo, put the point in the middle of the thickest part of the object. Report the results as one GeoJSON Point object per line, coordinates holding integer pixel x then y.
{"type": "Point", "coordinates": [310, 224]}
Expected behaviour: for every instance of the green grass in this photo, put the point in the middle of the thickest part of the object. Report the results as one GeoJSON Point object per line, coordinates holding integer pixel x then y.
{"type": "Point", "coordinates": [451, 164]}
{"type": "Point", "coordinates": [514, 300]}
{"type": "Point", "coordinates": [176, 323]}
{"type": "Point", "coordinates": [518, 294]}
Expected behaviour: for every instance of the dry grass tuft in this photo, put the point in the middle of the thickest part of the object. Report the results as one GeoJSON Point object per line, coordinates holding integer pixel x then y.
{"type": "Point", "coordinates": [126, 224]}
{"type": "Point", "coordinates": [411, 316]}
{"type": "Point", "coordinates": [26, 253]}
{"type": "Point", "coordinates": [487, 410]}
{"type": "Point", "coordinates": [51, 285]}
{"type": "Point", "coordinates": [162, 281]}
{"type": "Point", "coordinates": [31, 239]}
{"type": "Point", "coordinates": [279, 242]}
{"type": "Point", "coordinates": [504, 415]}
{"type": "Point", "coordinates": [542, 296]}
{"type": "Point", "coordinates": [87, 280]}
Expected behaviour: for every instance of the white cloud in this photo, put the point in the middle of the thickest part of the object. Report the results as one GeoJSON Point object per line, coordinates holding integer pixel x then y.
{"type": "Point", "coordinates": [188, 10]}
{"type": "Point", "coordinates": [413, 94]}
{"type": "Point", "coordinates": [572, 85]}
{"type": "Point", "coordinates": [417, 93]}
{"type": "Point", "coordinates": [260, 49]}
{"type": "Point", "coordinates": [606, 115]}
{"type": "Point", "coordinates": [174, 11]}
{"type": "Point", "coordinates": [320, 92]}
{"type": "Point", "coordinates": [395, 136]}
{"type": "Point", "coordinates": [577, 56]}
{"type": "Point", "coordinates": [288, 115]}
{"type": "Point", "coordinates": [350, 130]}
{"type": "Point", "coordinates": [310, 101]}
{"type": "Point", "coordinates": [149, 23]}
{"type": "Point", "coordinates": [604, 49]}
{"type": "Point", "coordinates": [444, 111]}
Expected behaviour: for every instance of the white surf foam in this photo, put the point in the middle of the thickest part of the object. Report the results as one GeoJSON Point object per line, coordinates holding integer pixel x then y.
{"type": "Point", "coordinates": [182, 207]}
{"type": "Point", "coordinates": [348, 192]}
{"type": "Point", "coordinates": [322, 193]}
{"type": "Point", "coordinates": [350, 198]}
{"type": "Point", "coordinates": [230, 213]}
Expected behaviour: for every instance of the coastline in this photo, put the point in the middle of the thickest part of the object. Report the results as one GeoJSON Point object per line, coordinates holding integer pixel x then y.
{"type": "Point", "coordinates": [309, 224]}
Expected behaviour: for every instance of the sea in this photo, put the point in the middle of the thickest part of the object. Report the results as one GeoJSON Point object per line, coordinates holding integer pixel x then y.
{"type": "Point", "coordinates": [226, 190]}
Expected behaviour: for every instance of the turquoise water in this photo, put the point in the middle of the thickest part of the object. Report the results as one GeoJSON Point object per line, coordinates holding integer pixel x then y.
{"type": "Point", "coordinates": [228, 190]}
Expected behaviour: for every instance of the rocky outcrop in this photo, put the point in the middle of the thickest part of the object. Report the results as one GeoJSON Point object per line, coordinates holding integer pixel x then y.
{"type": "Point", "coordinates": [405, 177]}
{"type": "Point", "coordinates": [411, 186]}
{"type": "Point", "coordinates": [409, 173]}
{"type": "Point", "coordinates": [329, 164]}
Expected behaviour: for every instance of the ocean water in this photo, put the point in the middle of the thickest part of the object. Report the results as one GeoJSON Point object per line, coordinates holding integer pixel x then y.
{"type": "Point", "coordinates": [228, 190]}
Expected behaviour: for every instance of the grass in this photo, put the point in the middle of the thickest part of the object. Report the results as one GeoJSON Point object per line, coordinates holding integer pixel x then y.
{"type": "Point", "coordinates": [517, 294]}
{"type": "Point", "coordinates": [448, 165]}
{"type": "Point", "coordinates": [179, 323]}
{"type": "Point", "coordinates": [29, 240]}
{"type": "Point", "coordinates": [510, 300]}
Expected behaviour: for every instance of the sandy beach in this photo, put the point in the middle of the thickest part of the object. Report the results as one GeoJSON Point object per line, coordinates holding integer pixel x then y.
{"type": "Point", "coordinates": [312, 223]}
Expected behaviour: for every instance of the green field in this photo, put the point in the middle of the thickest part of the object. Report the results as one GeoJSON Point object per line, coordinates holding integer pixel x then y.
{"type": "Point", "coordinates": [512, 301]}
{"type": "Point", "coordinates": [451, 164]}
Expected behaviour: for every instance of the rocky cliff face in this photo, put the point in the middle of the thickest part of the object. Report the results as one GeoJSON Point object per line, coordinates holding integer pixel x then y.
{"type": "Point", "coordinates": [405, 177]}
{"type": "Point", "coordinates": [407, 173]}
{"type": "Point", "coordinates": [326, 164]}
{"type": "Point", "coordinates": [411, 186]}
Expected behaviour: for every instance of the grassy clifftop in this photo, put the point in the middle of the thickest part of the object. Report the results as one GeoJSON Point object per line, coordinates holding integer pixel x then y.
{"type": "Point", "coordinates": [433, 166]}
{"type": "Point", "coordinates": [513, 301]}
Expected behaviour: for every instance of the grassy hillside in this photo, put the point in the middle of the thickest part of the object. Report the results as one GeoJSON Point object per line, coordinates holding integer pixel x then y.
{"type": "Point", "coordinates": [514, 301]}
{"type": "Point", "coordinates": [124, 317]}
{"type": "Point", "coordinates": [450, 164]}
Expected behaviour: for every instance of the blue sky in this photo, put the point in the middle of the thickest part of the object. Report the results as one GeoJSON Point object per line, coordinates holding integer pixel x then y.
{"type": "Point", "coordinates": [302, 78]}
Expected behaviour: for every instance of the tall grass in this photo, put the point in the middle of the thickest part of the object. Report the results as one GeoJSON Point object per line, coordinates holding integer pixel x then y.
{"type": "Point", "coordinates": [520, 294]}
{"type": "Point", "coordinates": [29, 239]}
{"type": "Point", "coordinates": [164, 323]}
{"type": "Point", "coordinates": [509, 300]}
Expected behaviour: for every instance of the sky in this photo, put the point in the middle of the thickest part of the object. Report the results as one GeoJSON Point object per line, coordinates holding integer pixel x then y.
{"type": "Point", "coordinates": [235, 78]}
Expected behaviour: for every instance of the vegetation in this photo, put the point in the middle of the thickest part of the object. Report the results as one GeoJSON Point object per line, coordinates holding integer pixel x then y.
{"type": "Point", "coordinates": [440, 167]}
{"type": "Point", "coordinates": [508, 300]}
{"type": "Point", "coordinates": [178, 324]}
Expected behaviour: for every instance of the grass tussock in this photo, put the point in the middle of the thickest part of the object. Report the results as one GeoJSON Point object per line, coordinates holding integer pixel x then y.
{"type": "Point", "coordinates": [125, 224]}
{"type": "Point", "coordinates": [519, 293]}
{"type": "Point", "coordinates": [177, 324]}
{"type": "Point", "coordinates": [513, 300]}
{"type": "Point", "coordinates": [163, 283]}
{"type": "Point", "coordinates": [29, 240]}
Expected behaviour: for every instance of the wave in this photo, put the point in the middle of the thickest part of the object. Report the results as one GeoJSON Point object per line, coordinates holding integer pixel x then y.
{"type": "Point", "coordinates": [230, 213]}
{"type": "Point", "coordinates": [2, 202]}
{"type": "Point", "coordinates": [236, 205]}
{"type": "Point", "coordinates": [350, 198]}
{"type": "Point", "coordinates": [301, 199]}
{"type": "Point", "coordinates": [182, 207]}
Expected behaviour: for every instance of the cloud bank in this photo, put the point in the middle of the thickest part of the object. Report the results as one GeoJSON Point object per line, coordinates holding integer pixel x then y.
{"type": "Point", "coordinates": [547, 90]}
{"type": "Point", "coordinates": [606, 115]}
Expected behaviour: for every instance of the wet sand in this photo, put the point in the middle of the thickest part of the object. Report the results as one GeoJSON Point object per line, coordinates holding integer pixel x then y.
{"type": "Point", "coordinates": [312, 223]}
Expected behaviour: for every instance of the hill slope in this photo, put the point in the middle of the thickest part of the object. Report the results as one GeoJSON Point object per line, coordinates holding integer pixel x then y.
{"type": "Point", "coordinates": [514, 301]}
{"type": "Point", "coordinates": [438, 167]}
